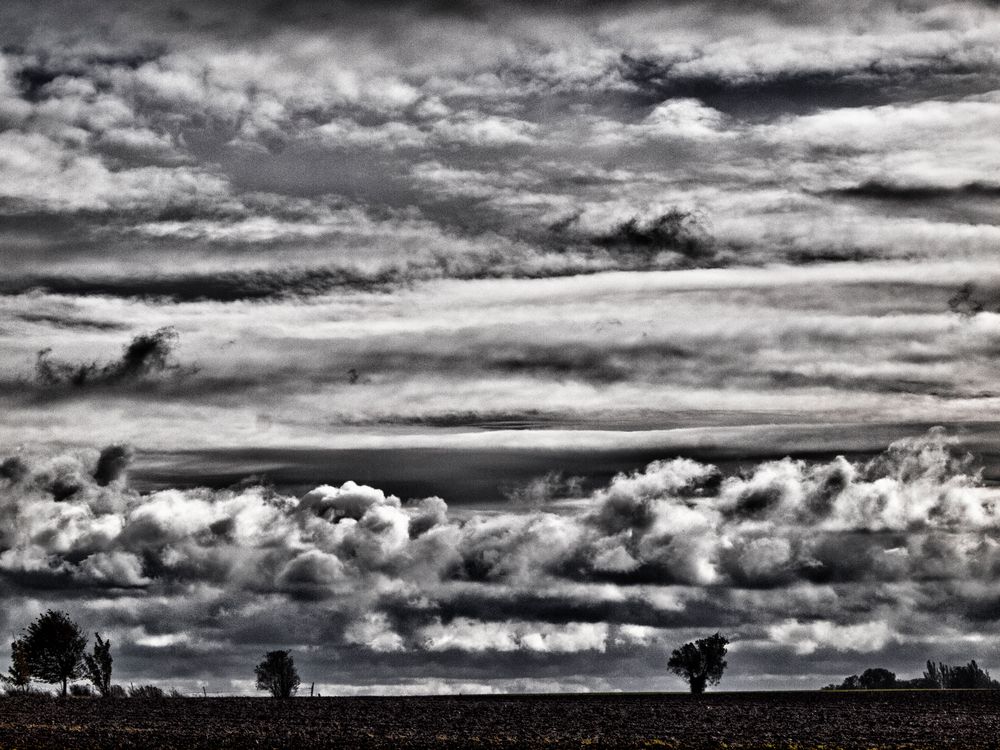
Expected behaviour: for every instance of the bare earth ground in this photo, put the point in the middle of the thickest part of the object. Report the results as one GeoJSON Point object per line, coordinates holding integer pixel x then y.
{"type": "Point", "coordinates": [803, 721]}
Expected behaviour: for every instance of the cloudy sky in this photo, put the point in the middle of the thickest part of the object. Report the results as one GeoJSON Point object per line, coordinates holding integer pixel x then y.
{"type": "Point", "coordinates": [469, 346]}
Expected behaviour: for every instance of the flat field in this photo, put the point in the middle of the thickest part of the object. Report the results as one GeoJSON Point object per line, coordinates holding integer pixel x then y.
{"type": "Point", "coordinates": [800, 720]}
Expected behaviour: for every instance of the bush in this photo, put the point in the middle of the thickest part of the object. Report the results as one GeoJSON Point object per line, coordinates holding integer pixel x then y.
{"type": "Point", "coordinates": [116, 691]}
{"type": "Point", "coordinates": [81, 691]}
{"type": "Point", "coordinates": [145, 691]}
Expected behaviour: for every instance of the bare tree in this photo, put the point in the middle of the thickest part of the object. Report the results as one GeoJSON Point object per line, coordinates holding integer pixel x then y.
{"type": "Point", "coordinates": [277, 674]}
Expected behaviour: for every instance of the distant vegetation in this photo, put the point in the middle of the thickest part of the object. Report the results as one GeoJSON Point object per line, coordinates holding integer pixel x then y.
{"type": "Point", "coordinates": [52, 649]}
{"type": "Point", "coordinates": [938, 676]}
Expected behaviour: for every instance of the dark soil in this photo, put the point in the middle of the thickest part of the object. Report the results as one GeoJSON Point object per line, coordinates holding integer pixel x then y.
{"type": "Point", "coordinates": [803, 721]}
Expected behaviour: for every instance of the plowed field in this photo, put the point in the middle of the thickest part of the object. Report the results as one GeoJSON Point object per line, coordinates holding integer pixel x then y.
{"type": "Point", "coordinates": [919, 719]}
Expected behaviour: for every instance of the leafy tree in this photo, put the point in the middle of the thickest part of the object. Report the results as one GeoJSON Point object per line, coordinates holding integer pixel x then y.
{"type": "Point", "coordinates": [98, 666]}
{"type": "Point", "coordinates": [968, 677]}
{"type": "Point", "coordinates": [700, 663]}
{"type": "Point", "coordinates": [55, 646]}
{"type": "Point", "coordinates": [932, 675]}
{"type": "Point", "coordinates": [18, 676]}
{"type": "Point", "coordinates": [277, 674]}
{"type": "Point", "coordinates": [877, 679]}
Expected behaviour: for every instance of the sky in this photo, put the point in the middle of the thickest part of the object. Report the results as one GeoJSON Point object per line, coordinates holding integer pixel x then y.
{"type": "Point", "coordinates": [485, 347]}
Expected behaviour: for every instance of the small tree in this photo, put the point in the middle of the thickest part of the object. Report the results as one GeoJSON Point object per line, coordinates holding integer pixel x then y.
{"type": "Point", "coordinates": [700, 663]}
{"type": "Point", "coordinates": [98, 666]}
{"type": "Point", "coordinates": [18, 676]}
{"type": "Point", "coordinates": [277, 674]}
{"type": "Point", "coordinates": [55, 646]}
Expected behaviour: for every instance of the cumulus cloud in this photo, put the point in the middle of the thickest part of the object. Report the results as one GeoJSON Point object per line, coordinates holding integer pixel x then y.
{"type": "Point", "coordinates": [655, 552]}
{"type": "Point", "coordinates": [339, 207]}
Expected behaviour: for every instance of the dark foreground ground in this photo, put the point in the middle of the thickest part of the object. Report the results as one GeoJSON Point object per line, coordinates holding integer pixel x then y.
{"type": "Point", "coordinates": [803, 721]}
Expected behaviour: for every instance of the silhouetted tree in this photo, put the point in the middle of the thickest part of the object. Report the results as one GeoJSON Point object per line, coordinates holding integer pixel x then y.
{"type": "Point", "coordinates": [968, 677]}
{"type": "Point", "coordinates": [700, 663]}
{"type": "Point", "coordinates": [18, 676]}
{"type": "Point", "coordinates": [277, 674]}
{"type": "Point", "coordinates": [55, 646]}
{"type": "Point", "coordinates": [877, 679]}
{"type": "Point", "coordinates": [932, 675]}
{"type": "Point", "coordinates": [98, 666]}
{"type": "Point", "coordinates": [936, 676]}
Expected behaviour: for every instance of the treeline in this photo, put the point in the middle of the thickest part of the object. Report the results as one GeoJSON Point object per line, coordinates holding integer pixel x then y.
{"type": "Point", "coordinates": [937, 676]}
{"type": "Point", "coordinates": [53, 649]}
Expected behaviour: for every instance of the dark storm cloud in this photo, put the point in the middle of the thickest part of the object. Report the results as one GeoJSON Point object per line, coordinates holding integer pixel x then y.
{"type": "Point", "coordinates": [70, 321]}
{"type": "Point", "coordinates": [148, 354]}
{"type": "Point", "coordinates": [112, 463]}
{"type": "Point", "coordinates": [919, 194]}
{"type": "Point", "coordinates": [220, 286]}
{"type": "Point", "coordinates": [765, 95]}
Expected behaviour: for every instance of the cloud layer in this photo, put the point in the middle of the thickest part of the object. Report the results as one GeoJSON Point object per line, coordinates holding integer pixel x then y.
{"type": "Point", "coordinates": [454, 139]}
{"type": "Point", "coordinates": [334, 241]}
{"type": "Point", "coordinates": [784, 556]}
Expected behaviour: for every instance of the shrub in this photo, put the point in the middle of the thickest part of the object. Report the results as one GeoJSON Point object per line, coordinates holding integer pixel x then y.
{"type": "Point", "coordinates": [145, 691]}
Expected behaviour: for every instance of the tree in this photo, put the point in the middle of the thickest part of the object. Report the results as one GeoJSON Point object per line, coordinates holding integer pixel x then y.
{"type": "Point", "coordinates": [98, 666]}
{"type": "Point", "coordinates": [277, 674]}
{"type": "Point", "coordinates": [968, 677]}
{"type": "Point", "coordinates": [932, 676]}
{"type": "Point", "coordinates": [19, 674]}
{"type": "Point", "coordinates": [700, 663]}
{"type": "Point", "coordinates": [877, 679]}
{"type": "Point", "coordinates": [55, 646]}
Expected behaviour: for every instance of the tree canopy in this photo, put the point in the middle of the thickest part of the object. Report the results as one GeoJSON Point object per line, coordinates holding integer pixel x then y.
{"type": "Point", "coordinates": [53, 645]}
{"type": "Point", "coordinates": [277, 674]}
{"type": "Point", "coordinates": [700, 663]}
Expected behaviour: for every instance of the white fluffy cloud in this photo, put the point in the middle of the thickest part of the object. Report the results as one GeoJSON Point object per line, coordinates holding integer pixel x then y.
{"type": "Point", "coordinates": [775, 554]}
